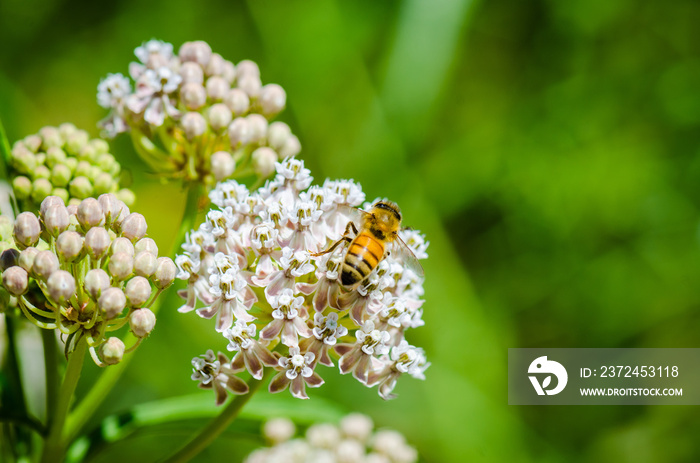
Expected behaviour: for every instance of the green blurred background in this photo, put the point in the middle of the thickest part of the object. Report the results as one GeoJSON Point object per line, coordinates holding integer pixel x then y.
{"type": "Point", "coordinates": [548, 149]}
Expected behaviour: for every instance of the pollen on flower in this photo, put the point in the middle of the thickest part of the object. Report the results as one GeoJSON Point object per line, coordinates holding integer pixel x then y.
{"type": "Point", "coordinates": [195, 115]}
{"type": "Point", "coordinates": [256, 267]}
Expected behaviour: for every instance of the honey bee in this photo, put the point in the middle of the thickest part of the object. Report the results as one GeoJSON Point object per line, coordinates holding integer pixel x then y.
{"type": "Point", "coordinates": [378, 237]}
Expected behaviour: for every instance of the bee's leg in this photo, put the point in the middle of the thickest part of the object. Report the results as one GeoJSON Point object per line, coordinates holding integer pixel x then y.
{"type": "Point", "coordinates": [335, 245]}
{"type": "Point", "coordinates": [347, 228]}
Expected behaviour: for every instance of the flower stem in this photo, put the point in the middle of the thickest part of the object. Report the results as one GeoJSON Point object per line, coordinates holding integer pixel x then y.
{"type": "Point", "coordinates": [51, 368]}
{"type": "Point", "coordinates": [109, 377]}
{"type": "Point", "coordinates": [54, 447]}
{"type": "Point", "coordinates": [218, 425]}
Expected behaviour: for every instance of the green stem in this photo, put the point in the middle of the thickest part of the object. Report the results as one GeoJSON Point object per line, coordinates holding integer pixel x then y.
{"type": "Point", "coordinates": [109, 377]}
{"type": "Point", "coordinates": [54, 447]}
{"type": "Point", "coordinates": [218, 425]}
{"type": "Point", "coordinates": [51, 369]}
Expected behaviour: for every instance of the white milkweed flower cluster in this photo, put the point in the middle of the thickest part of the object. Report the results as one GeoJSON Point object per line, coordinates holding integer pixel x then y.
{"type": "Point", "coordinates": [87, 270]}
{"type": "Point", "coordinates": [210, 117]}
{"type": "Point", "coordinates": [63, 161]}
{"type": "Point", "coordinates": [353, 441]}
{"type": "Point", "coordinates": [251, 267]}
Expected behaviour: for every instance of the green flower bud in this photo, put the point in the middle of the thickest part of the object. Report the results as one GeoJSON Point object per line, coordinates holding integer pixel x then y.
{"type": "Point", "coordinates": [60, 175]}
{"type": "Point", "coordinates": [145, 264]}
{"type": "Point", "coordinates": [112, 302]}
{"type": "Point", "coordinates": [15, 280]}
{"type": "Point", "coordinates": [126, 196]}
{"type": "Point", "coordinates": [61, 286]}
{"type": "Point", "coordinates": [69, 246]}
{"type": "Point", "coordinates": [45, 264]}
{"type": "Point", "coordinates": [27, 229]}
{"type": "Point", "coordinates": [96, 281]}
{"type": "Point", "coordinates": [137, 291]}
{"type": "Point", "coordinates": [134, 227]}
{"type": "Point", "coordinates": [80, 187]}
{"type": "Point", "coordinates": [51, 137]}
{"type": "Point", "coordinates": [76, 141]}
{"type": "Point", "coordinates": [41, 188]}
{"type": "Point", "coordinates": [7, 226]}
{"type": "Point", "coordinates": [67, 129]}
{"type": "Point", "coordinates": [146, 245]}
{"type": "Point", "coordinates": [237, 101]}
{"type": "Point", "coordinates": [112, 351]}
{"type": "Point", "coordinates": [121, 266]}
{"type": "Point", "coordinates": [61, 193]}
{"type": "Point", "coordinates": [55, 156]}
{"type": "Point", "coordinates": [97, 241]}
{"type": "Point", "coordinates": [87, 153]}
{"type": "Point", "coordinates": [71, 163]}
{"type": "Point", "coordinates": [99, 145]}
{"type": "Point", "coordinates": [26, 258]}
{"type": "Point", "coordinates": [83, 169]}
{"type": "Point", "coordinates": [222, 165]}
{"type": "Point", "coordinates": [89, 213]}
{"type": "Point", "coordinates": [142, 322]}
{"type": "Point", "coordinates": [22, 187]}
{"type": "Point", "coordinates": [42, 172]}
{"type": "Point", "coordinates": [56, 219]}
{"type": "Point", "coordinates": [104, 183]}
{"type": "Point", "coordinates": [32, 142]}
{"type": "Point", "coordinates": [165, 273]}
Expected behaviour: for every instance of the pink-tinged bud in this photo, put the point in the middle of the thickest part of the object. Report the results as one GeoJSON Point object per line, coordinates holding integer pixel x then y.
{"type": "Point", "coordinates": [27, 229]}
{"type": "Point", "coordinates": [357, 426]}
{"type": "Point", "coordinates": [197, 51]}
{"type": "Point", "coordinates": [239, 132]}
{"type": "Point", "coordinates": [291, 147]}
{"type": "Point", "coordinates": [237, 101]}
{"type": "Point", "coordinates": [142, 322]}
{"type": "Point", "coordinates": [272, 99]}
{"type": "Point", "coordinates": [112, 302]}
{"type": "Point", "coordinates": [121, 216]}
{"type": "Point", "coordinates": [121, 266]}
{"type": "Point", "coordinates": [215, 67]}
{"type": "Point", "coordinates": [122, 245]}
{"type": "Point", "coordinates": [97, 241]}
{"type": "Point", "coordinates": [147, 245]}
{"type": "Point", "coordinates": [222, 165]}
{"type": "Point", "coordinates": [45, 263]}
{"type": "Point", "coordinates": [61, 286]}
{"type": "Point", "coordinates": [9, 258]}
{"type": "Point", "coordinates": [134, 226]}
{"type": "Point", "coordinates": [193, 95]}
{"type": "Point", "coordinates": [217, 88]}
{"type": "Point", "coordinates": [145, 264]}
{"type": "Point", "coordinates": [90, 213]}
{"type": "Point", "coordinates": [49, 202]}
{"type": "Point", "coordinates": [96, 281]}
{"type": "Point", "coordinates": [193, 124]}
{"type": "Point", "coordinates": [56, 219]}
{"type": "Point", "coordinates": [277, 134]}
{"type": "Point", "coordinates": [264, 159]}
{"type": "Point", "coordinates": [229, 72]}
{"type": "Point", "coordinates": [112, 351]}
{"type": "Point", "coordinates": [15, 280]}
{"type": "Point", "coordinates": [69, 246]}
{"type": "Point", "coordinates": [250, 84]}
{"type": "Point", "coordinates": [247, 67]}
{"type": "Point", "coordinates": [26, 258]}
{"type": "Point", "coordinates": [191, 72]}
{"type": "Point", "coordinates": [137, 291]}
{"type": "Point", "coordinates": [258, 127]}
{"type": "Point", "coordinates": [165, 273]}
{"type": "Point", "coordinates": [219, 116]}
{"type": "Point", "coordinates": [279, 430]}
{"type": "Point", "coordinates": [110, 207]}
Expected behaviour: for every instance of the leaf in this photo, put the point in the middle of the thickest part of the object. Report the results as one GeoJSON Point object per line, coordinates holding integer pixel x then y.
{"type": "Point", "coordinates": [546, 382]}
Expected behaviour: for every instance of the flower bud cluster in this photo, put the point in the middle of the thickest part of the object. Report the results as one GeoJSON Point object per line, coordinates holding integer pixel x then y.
{"type": "Point", "coordinates": [63, 161]}
{"type": "Point", "coordinates": [353, 441]}
{"type": "Point", "coordinates": [255, 266]}
{"type": "Point", "coordinates": [93, 269]}
{"type": "Point", "coordinates": [210, 115]}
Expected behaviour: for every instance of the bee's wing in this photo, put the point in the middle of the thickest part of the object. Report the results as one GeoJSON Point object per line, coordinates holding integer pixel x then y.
{"type": "Point", "coordinates": [356, 215]}
{"type": "Point", "coordinates": [400, 250]}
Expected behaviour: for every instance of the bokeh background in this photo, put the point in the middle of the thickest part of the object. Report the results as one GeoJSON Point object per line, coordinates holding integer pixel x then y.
{"type": "Point", "coordinates": [548, 149]}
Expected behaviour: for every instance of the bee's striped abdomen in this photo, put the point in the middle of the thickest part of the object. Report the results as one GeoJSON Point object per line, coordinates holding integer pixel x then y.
{"type": "Point", "coordinates": [362, 257]}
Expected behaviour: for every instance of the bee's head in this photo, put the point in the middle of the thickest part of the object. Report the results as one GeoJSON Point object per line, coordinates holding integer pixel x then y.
{"type": "Point", "coordinates": [387, 216]}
